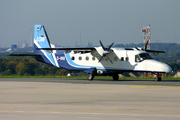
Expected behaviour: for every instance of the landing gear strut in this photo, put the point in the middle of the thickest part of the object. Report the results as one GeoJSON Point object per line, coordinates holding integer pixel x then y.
{"type": "Point", "coordinates": [115, 77]}
{"type": "Point", "coordinates": [157, 78]}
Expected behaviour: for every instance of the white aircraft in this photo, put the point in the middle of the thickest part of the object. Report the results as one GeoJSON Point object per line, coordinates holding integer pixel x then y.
{"type": "Point", "coordinates": [96, 60]}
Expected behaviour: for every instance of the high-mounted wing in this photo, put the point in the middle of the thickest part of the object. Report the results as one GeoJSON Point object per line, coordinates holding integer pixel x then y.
{"type": "Point", "coordinates": [156, 52]}
{"type": "Point", "coordinates": [80, 48]}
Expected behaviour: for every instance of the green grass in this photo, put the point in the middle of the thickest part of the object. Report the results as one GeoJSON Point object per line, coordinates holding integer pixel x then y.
{"type": "Point", "coordinates": [85, 77]}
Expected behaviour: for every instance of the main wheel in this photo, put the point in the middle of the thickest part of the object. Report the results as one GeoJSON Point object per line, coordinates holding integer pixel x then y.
{"type": "Point", "coordinates": [90, 77]}
{"type": "Point", "coordinates": [115, 77]}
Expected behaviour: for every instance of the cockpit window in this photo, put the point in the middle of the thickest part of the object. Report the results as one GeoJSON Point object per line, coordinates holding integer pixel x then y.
{"type": "Point", "coordinates": [137, 59]}
{"type": "Point", "coordinates": [142, 56]}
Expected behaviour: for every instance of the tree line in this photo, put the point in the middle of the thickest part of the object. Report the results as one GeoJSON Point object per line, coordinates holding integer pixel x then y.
{"type": "Point", "coordinates": [28, 66]}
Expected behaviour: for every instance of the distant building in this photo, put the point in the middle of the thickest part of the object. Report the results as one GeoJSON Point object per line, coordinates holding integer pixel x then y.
{"type": "Point", "coordinates": [177, 74]}
{"type": "Point", "coordinates": [25, 45]}
{"type": "Point", "coordinates": [13, 47]}
{"type": "Point", "coordinates": [90, 44]}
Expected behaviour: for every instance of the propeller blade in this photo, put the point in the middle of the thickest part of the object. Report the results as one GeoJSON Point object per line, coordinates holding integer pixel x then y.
{"type": "Point", "coordinates": [102, 45]}
{"type": "Point", "coordinates": [137, 48]}
{"type": "Point", "coordinates": [100, 59]}
{"type": "Point", "coordinates": [110, 46]}
{"type": "Point", "coordinates": [109, 59]}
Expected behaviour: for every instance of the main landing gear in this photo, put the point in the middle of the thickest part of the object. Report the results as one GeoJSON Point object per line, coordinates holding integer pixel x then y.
{"type": "Point", "coordinates": [157, 77]}
{"type": "Point", "coordinates": [90, 77]}
{"type": "Point", "coordinates": [115, 77]}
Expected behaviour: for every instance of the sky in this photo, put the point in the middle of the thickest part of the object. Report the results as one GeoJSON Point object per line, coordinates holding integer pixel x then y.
{"type": "Point", "coordinates": [68, 21]}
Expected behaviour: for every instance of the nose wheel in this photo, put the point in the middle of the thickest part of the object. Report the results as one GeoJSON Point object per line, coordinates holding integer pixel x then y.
{"type": "Point", "coordinates": [157, 77]}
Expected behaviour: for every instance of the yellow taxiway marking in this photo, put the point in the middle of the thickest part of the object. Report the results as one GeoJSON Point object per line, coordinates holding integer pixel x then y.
{"type": "Point", "coordinates": [96, 90]}
{"type": "Point", "coordinates": [147, 86]}
{"type": "Point", "coordinates": [152, 86]}
{"type": "Point", "coordinates": [171, 87]}
{"type": "Point", "coordinates": [166, 112]}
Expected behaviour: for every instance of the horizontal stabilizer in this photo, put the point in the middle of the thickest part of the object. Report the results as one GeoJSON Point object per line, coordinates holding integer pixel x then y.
{"type": "Point", "coordinates": [30, 54]}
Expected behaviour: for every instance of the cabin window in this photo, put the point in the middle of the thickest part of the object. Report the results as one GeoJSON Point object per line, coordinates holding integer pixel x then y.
{"type": "Point", "coordinates": [73, 58]}
{"type": "Point", "coordinates": [127, 58]}
{"type": "Point", "coordinates": [80, 58]}
{"type": "Point", "coordinates": [93, 58]}
{"type": "Point", "coordinates": [122, 58]}
{"type": "Point", "coordinates": [87, 58]}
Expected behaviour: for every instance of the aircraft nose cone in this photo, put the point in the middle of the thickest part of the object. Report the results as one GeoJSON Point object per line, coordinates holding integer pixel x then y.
{"type": "Point", "coordinates": [168, 69]}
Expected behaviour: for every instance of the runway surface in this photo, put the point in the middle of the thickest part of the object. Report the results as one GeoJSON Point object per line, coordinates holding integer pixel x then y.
{"type": "Point", "coordinates": [54, 98]}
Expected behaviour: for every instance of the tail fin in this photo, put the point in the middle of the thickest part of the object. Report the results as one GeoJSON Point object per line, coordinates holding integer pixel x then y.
{"type": "Point", "coordinates": [41, 40]}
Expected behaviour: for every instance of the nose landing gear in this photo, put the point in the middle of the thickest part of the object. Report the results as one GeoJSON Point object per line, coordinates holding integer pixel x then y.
{"type": "Point", "coordinates": [157, 77]}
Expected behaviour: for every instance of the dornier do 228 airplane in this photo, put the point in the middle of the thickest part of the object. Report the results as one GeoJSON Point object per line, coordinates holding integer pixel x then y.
{"type": "Point", "coordinates": [96, 60]}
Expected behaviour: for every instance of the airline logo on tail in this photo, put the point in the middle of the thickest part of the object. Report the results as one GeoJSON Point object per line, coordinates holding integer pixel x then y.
{"type": "Point", "coordinates": [40, 39]}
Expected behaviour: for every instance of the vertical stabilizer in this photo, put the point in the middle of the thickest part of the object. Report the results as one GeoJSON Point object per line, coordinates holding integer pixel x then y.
{"type": "Point", "coordinates": [41, 40]}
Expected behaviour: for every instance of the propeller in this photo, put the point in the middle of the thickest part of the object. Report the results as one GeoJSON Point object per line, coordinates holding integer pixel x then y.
{"type": "Point", "coordinates": [145, 47]}
{"type": "Point", "coordinates": [106, 51]}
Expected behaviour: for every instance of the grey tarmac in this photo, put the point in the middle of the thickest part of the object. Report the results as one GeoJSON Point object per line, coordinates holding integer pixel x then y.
{"type": "Point", "coordinates": [73, 99]}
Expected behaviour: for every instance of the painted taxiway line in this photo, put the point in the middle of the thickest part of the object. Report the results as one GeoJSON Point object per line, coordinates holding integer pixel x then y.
{"type": "Point", "coordinates": [154, 86]}
{"type": "Point", "coordinates": [130, 87]}
{"type": "Point", "coordinates": [93, 113]}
